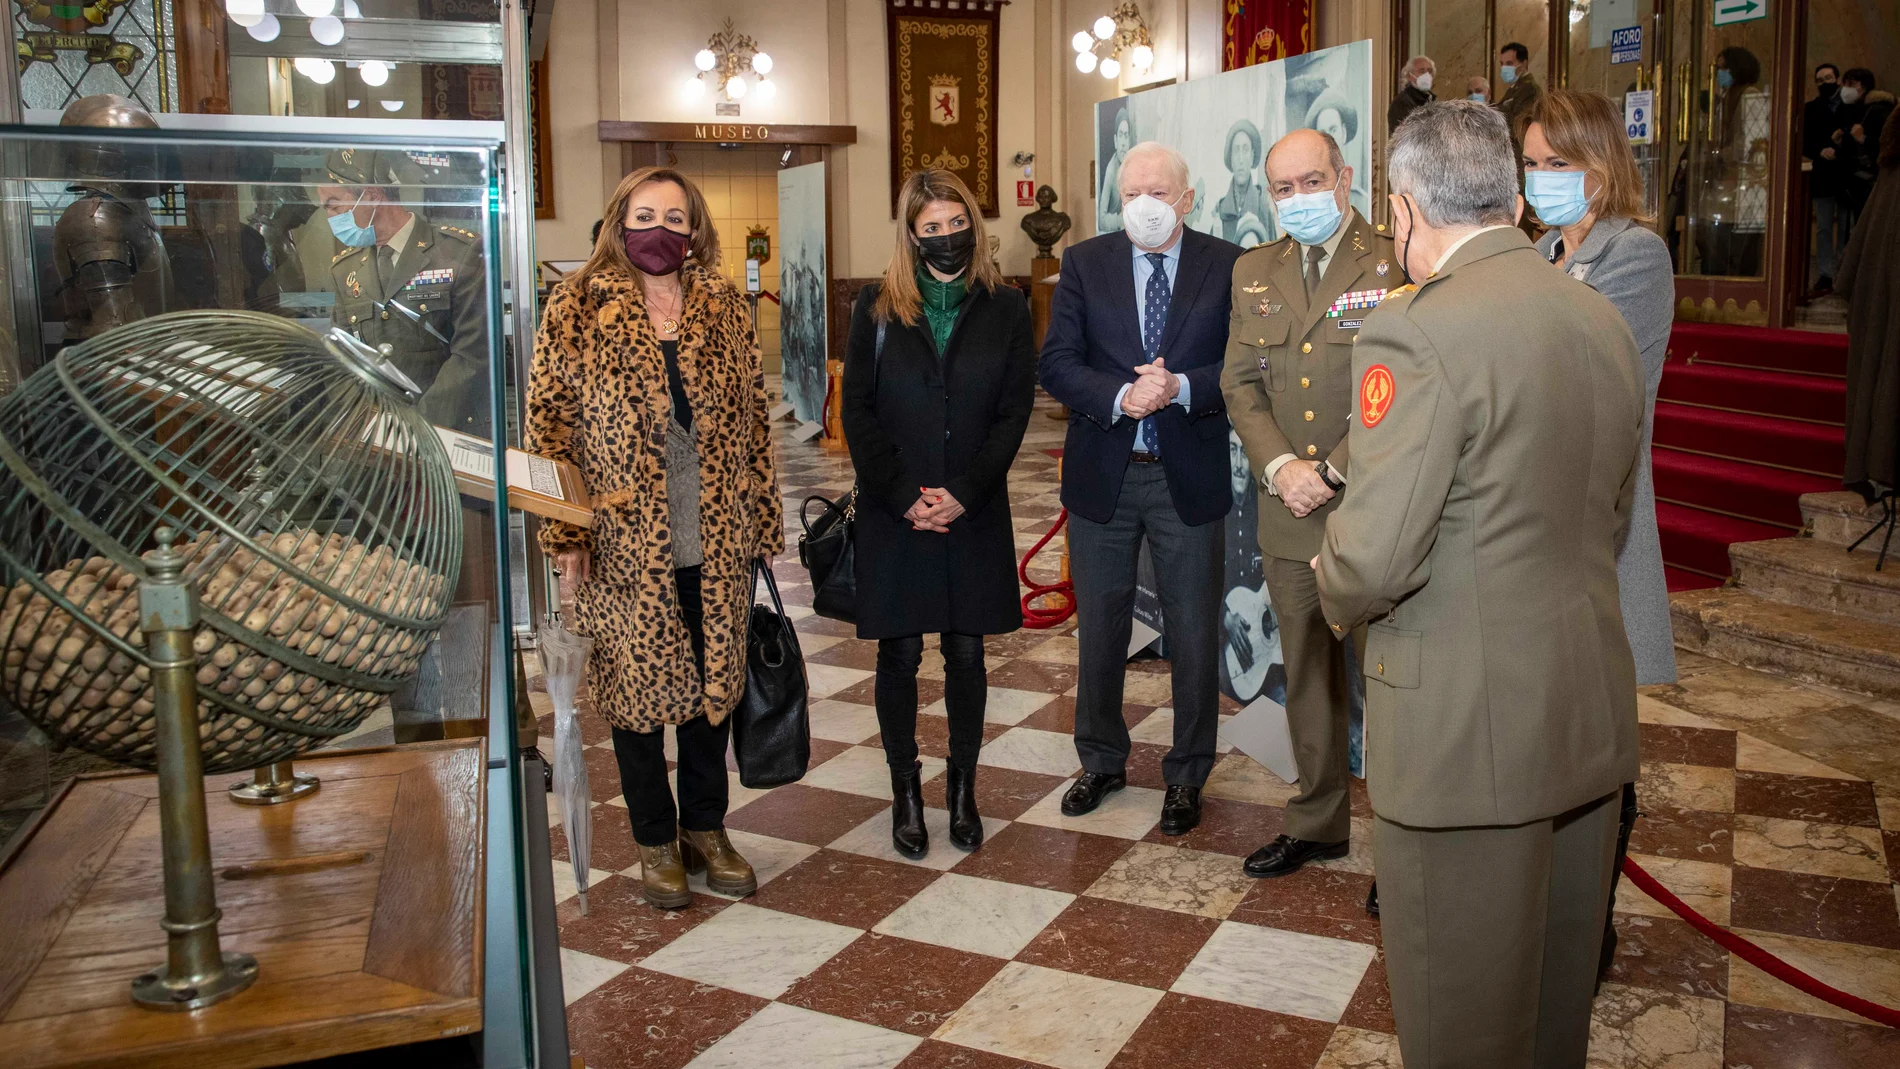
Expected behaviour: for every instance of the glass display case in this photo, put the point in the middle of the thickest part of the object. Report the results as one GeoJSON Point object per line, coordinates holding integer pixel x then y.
{"type": "Point", "coordinates": [385, 253]}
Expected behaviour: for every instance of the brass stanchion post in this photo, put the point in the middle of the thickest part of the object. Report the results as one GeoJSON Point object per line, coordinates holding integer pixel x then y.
{"type": "Point", "coordinates": [196, 972]}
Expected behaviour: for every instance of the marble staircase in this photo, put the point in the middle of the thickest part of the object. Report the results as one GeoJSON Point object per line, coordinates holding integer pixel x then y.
{"type": "Point", "coordinates": [1805, 607]}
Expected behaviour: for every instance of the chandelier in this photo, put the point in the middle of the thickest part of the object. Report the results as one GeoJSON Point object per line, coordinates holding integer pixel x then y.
{"type": "Point", "coordinates": [725, 61]}
{"type": "Point", "coordinates": [1103, 45]}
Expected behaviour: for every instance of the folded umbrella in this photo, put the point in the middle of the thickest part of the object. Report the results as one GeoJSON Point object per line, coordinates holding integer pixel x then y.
{"type": "Point", "coordinates": [564, 664]}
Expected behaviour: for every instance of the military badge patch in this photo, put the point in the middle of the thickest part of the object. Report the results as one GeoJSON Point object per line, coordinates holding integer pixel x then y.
{"type": "Point", "coordinates": [1255, 288]}
{"type": "Point", "coordinates": [355, 287]}
{"type": "Point", "coordinates": [1383, 268]}
{"type": "Point", "coordinates": [1376, 394]}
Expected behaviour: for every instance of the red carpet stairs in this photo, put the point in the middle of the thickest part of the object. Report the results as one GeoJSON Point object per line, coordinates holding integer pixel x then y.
{"type": "Point", "coordinates": [1748, 455]}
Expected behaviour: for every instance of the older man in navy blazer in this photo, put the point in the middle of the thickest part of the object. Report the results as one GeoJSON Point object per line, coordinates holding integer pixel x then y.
{"type": "Point", "coordinates": [1137, 334]}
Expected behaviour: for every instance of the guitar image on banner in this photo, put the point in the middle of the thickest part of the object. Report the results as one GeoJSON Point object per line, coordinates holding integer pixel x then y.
{"type": "Point", "coordinates": [1252, 646]}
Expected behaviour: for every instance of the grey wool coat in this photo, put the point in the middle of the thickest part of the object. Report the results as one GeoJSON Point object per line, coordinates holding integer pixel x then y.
{"type": "Point", "coordinates": [1629, 264]}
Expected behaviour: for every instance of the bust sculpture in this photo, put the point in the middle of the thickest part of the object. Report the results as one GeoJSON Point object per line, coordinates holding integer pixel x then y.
{"type": "Point", "coordinates": [1045, 226]}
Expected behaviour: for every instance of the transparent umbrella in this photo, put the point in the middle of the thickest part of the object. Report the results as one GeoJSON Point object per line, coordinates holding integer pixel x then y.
{"type": "Point", "coordinates": [564, 663]}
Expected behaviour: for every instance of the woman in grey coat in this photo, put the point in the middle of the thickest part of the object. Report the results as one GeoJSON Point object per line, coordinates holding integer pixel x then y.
{"type": "Point", "coordinates": [1581, 179]}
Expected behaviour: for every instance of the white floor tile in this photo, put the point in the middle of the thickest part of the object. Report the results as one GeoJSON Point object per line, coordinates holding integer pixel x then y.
{"type": "Point", "coordinates": [1049, 1017]}
{"type": "Point", "coordinates": [751, 950]}
{"type": "Point", "coordinates": [976, 915]}
{"type": "Point", "coordinates": [862, 770]}
{"type": "Point", "coordinates": [1051, 753]}
{"type": "Point", "coordinates": [844, 722]}
{"type": "Point", "coordinates": [873, 839]}
{"type": "Point", "coordinates": [824, 680]}
{"type": "Point", "coordinates": [1129, 813]}
{"type": "Point", "coordinates": [769, 858]}
{"type": "Point", "coordinates": [582, 973]}
{"type": "Point", "coordinates": [564, 885]}
{"type": "Point", "coordinates": [1270, 969]}
{"type": "Point", "coordinates": [782, 1035]}
{"type": "Point", "coordinates": [1004, 706]}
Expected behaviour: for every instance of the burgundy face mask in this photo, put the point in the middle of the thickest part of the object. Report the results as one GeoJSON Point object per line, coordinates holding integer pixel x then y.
{"type": "Point", "coordinates": [656, 250]}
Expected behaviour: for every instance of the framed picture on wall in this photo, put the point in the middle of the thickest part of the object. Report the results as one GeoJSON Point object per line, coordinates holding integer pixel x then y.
{"type": "Point", "coordinates": [943, 94]}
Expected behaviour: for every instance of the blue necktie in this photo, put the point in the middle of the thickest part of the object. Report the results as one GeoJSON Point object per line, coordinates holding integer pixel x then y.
{"type": "Point", "coordinates": [1154, 319]}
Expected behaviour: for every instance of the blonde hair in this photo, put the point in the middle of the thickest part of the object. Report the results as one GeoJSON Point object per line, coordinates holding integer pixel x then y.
{"type": "Point", "coordinates": [610, 247]}
{"type": "Point", "coordinates": [898, 298]}
{"type": "Point", "coordinates": [1587, 129]}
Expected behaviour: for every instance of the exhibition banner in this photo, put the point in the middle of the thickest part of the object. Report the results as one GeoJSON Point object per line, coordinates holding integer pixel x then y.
{"type": "Point", "coordinates": [801, 278]}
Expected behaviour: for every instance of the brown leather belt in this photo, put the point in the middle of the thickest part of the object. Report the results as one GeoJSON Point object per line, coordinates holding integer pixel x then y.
{"type": "Point", "coordinates": [1143, 458]}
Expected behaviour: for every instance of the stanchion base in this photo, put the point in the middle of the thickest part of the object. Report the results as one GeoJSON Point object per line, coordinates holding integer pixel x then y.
{"type": "Point", "coordinates": [251, 792]}
{"type": "Point", "coordinates": [156, 991]}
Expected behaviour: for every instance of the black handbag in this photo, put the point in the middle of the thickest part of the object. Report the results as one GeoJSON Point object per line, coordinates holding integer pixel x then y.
{"type": "Point", "coordinates": [828, 548]}
{"type": "Point", "coordinates": [771, 728]}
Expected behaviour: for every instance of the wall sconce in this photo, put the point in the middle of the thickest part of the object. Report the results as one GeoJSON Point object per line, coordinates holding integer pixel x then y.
{"type": "Point", "coordinates": [728, 56]}
{"type": "Point", "coordinates": [1103, 45]}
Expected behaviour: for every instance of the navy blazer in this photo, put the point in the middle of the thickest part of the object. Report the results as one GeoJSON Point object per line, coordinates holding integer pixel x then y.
{"type": "Point", "coordinates": [1092, 349]}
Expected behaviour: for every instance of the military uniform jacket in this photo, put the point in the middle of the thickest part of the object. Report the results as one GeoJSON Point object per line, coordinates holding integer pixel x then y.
{"type": "Point", "coordinates": [433, 314]}
{"type": "Point", "coordinates": [1288, 377]}
{"type": "Point", "coordinates": [1498, 413]}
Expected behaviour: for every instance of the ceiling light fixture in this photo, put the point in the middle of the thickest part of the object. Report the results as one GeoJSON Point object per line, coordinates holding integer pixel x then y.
{"type": "Point", "coordinates": [1117, 37]}
{"type": "Point", "coordinates": [727, 60]}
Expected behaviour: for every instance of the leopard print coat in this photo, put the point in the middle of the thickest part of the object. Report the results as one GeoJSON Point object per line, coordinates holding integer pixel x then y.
{"type": "Point", "coordinates": [598, 398]}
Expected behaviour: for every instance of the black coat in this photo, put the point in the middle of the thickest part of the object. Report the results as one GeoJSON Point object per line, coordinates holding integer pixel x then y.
{"type": "Point", "coordinates": [913, 420]}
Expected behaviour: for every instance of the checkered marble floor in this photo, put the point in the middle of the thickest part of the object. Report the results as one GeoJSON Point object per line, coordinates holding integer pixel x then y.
{"type": "Point", "coordinates": [1093, 942]}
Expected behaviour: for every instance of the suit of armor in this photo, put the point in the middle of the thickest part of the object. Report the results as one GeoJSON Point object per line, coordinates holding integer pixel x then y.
{"type": "Point", "coordinates": [106, 247]}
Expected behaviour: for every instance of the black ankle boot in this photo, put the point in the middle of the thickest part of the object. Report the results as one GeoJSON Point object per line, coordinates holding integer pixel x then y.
{"type": "Point", "coordinates": [908, 834]}
{"type": "Point", "coordinates": [966, 827]}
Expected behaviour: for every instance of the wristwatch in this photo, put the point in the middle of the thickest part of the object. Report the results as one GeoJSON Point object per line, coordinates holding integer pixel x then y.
{"type": "Point", "coordinates": [1326, 476]}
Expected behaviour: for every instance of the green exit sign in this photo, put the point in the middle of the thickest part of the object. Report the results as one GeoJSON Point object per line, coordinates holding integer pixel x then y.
{"type": "Point", "coordinates": [1727, 11]}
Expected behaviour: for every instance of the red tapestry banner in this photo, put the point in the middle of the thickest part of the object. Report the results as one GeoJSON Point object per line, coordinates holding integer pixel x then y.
{"type": "Point", "coordinates": [943, 92]}
{"type": "Point", "coordinates": [1259, 31]}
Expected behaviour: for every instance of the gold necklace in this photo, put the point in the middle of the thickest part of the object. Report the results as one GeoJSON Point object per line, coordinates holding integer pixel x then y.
{"type": "Point", "coordinates": [670, 324]}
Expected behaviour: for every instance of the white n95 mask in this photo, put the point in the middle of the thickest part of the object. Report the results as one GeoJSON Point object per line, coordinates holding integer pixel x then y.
{"type": "Point", "coordinates": [1148, 220]}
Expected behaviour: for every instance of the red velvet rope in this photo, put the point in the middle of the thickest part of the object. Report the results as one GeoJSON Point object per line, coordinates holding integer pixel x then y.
{"type": "Point", "coordinates": [1755, 955]}
{"type": "Point", "coordinates": [1036, 617]}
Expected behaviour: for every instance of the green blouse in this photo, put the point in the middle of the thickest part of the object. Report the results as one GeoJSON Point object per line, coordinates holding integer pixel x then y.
{"type": "Point", "coordinates": [941, 302]}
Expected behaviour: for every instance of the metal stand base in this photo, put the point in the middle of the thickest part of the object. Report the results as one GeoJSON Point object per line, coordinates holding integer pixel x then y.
{"type": "Point", "coordinates": [274, 784]}
{"type": "Point", "coordinates": [1887, 520]}
{"type": "Point", "coordinates": [156, 991]}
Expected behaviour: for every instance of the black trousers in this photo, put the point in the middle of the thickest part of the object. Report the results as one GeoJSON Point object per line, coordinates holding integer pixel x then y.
{"type": "Point", "coordinates": [702, 756]}
{"type": "Point", "coordinates": [965, 696]}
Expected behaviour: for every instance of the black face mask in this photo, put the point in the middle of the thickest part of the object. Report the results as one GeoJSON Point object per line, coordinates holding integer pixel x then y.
{"type": "Point", "coordinates": [1405, 248]}
{"type": "Point", "coordinates": [949, 253]}
{"type": "Point", "coordinates": [1829, 90]}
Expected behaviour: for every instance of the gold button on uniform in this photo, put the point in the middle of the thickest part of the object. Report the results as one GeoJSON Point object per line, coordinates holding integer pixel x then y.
{"type": "Point", "coordinates": [1262, 341]}
{"type": "Point", "coordinates": [1306, 347]}
{"type": "Point", "coordinates": [1309, 415]}
{"type": "Point", "coordinates": [352, 321]}
{"type": "Point", "coordinates": [1305, 382]}
{"type": "Point", "coordinates": [1381, 667]}
{"type": "Point", "coordinates": [1336, 627]}
{"type": "Point", "coordinates": [1312, 450]}
{"type": "Point", "coordinates": [385, 315]}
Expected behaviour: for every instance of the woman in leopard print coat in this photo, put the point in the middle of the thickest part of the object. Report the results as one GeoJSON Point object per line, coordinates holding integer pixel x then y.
{"type": "Point", "coordinates": [646, 361]}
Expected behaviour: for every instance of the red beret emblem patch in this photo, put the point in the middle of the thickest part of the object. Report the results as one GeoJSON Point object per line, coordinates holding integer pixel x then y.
{"type": "Point", "coordinates": [1376, 392]}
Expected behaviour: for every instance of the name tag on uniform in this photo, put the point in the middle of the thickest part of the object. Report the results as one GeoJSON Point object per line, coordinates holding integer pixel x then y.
{"type": "Point", "coordinates": [432, 277]}
{"type": "Point", "coordinates": [1354, 301]}
{"type": "Point", "coordinates": [1351, 324]}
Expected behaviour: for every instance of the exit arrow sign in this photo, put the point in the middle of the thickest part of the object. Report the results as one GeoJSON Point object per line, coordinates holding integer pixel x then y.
{"type": "Point", "coordinates": [1727, 11]}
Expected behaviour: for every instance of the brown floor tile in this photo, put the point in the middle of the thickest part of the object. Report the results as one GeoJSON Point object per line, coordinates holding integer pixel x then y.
{"type": "Point", "coordinates": [846, 889]}
{"type": "Point", "coordinates": [1152, 665]}
{"type": "Point", "coordinates": [1186, 1031]}
{"type": "Point", "coordinates": [1117, 941]}
{"type": "Point", "coordinates": [864, 692]}
{"type": "Point", "coordinates": [648, 1020]}
{"type": "Point", "coordinates": [1001, 793]}
{"type": "Point", "coordinates": [1819, 907]}
{"type": "Point", "coordinates": [1891, 840]}
{"type": "Point", "coordinates": [823, 625]}
{"type": "Point", "coordinates": [612, 847]}
{"type": "Point", "coordinates": [1015, 643]}
{"type": "Point", "coordinates": [931, 1054]}
{"type": "Point", "coordinates": [1059, 715]}
{"type": "Point", "coordinates": [1314, 900]}
{"type": "Point", "coordinates": [1689, 834]}
{"type": "Point", "coordinates": [1772, 1039]}
{"type": "Point", "coordinates": [1361, 801]}
{"type": "Point", "coordinates": [795, 594]}
{"type": "Point", "coordinates": [1371, 1005]}
{"type": "Point", "coordinates": [894, 983]}
{"type": "Point", "coordinates": [1824, 801]}
{"type": "Point", "coordinates": [851, 653]}
{"type": "Point", "coordinates": [621, 926]}
{"type": "Point", "coordinates": [933, 735]}
{"type": "Point", "coordinates": [1228, 827]}
{"type": "Point", "coordinates": [1041, 677]}
{"type": "Point", "coordinates": [603, 773]}
{"type": "Point", "coordinates": [1686, 746]}
{"type": "Point", "coordinates": [805, 814]}
{"type": "Point", "coordinates": [1665, 954]}
{"type": "Point", "coordinates": [822, 750]}
{"type": "Point", "coordinates": [1044, 857]}
{"type": "Point", "coordinates": [1144, 765]}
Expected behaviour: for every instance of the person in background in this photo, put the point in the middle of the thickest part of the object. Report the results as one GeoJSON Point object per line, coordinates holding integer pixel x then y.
{"type": "Point", "coordinates": [1415, 79]}
{"type": "Point", "coordinates": [1298, 305]}
{"type": "Point", "coordinates": [1860, 138]}
{"type": "Point", "coordinates": [1498, 413]}
{"type": "Point", "coordinates": [1521, 88]}
{"type": "Point", "coordinates": [1739, 171]}
{"type": "Point", "coordinates": [1870, 280]}
{"type": "Point", "coordinates": [1581, 179]}
{"type": "Point", "coordinates": [1145, 458]}
{"type": "Point", "coordinates": [646, 376]}
{"type": "Point", "coordinates": [1477, 89]}
{"type": "Point", "coordinates": [935, 548]}
{"type": "Point", "coordinates": [1820, 125]}
{"type": "Point", "coordinates": [1242, 210]}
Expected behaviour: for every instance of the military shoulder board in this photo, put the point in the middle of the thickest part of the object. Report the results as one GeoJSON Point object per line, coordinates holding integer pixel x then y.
{"type": "Point", "coordinates": [1353, 301]}
{"type": "Point", "coordinates": [459, 232]}
{"type": "Point", "coordinates": [344, 255]}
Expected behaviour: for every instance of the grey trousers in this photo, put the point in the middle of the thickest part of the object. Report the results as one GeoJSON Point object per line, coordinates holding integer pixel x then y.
{"type": "Point", "coordinates": [1492, 937]}
{"type": "Point", "coordinates": [1187, 562]}
{"type": "Point", "coordinates": [1318, 703]}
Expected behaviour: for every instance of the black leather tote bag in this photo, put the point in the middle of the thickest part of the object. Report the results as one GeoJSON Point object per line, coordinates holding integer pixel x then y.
{"type": "Point", "coordinates": [771, 728]}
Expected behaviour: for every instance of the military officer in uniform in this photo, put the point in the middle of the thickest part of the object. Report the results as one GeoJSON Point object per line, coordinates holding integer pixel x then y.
{"type": "Point", "coordinates": [413, 284]}
{"type": "Point", "coordinates": [1297, 308]}
{"type": "Point", "coordinates": [1493, 473]}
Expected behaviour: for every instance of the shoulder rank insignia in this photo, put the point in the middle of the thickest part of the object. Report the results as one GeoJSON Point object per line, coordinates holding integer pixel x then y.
{"type": "Point", "coordinates": [1358, 242]}
{"type": "Point", "coordinates": [1255, 288]}
{"type": "Point", "coordinates": [341, 256]}
{"type": "Point", "coordinates": [1407, 288]}
{"type": "Point", "coordinates": [1353, 301]}
{"type": "Point", "coordinates": [458, 232]}
{"type": "Point", "coordinates": [355, 287]}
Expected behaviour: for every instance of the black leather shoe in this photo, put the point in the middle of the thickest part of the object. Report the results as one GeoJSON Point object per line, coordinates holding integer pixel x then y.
{"type": "Point", "coordinates": [1180, 809]}
{"type": "Point", "coordinates": [1285, 854]}
{"type": "Point", "coordinates": [1087, 793]}
{"type": "Point", "coordinates": [1372, 900]}
{"type": "Point", "coordinates": [908, 834]}
{"type": "Point", "coordinates": [966, 826]}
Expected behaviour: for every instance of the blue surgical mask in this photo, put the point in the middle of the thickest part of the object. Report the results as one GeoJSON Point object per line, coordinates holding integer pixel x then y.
{"type": "Point", "coordinates": [1310, 217]}
{"type": "Point", "coordinates": [1557, 195]}
{"type": "Point", "coordinates": [343, 225]}
{"type": "Point", "coordinates": [1725, 78]}
{"type": "Point", "coordinates": [1479, 97]}
{"type": "Point", "coordinates": [1509, 74]}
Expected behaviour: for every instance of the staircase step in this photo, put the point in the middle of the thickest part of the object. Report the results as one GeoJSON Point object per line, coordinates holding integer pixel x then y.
{"type": "Point", "coordinates": [1814, 447]}
{"type": "Point", "coordinates": [1699, 541]}
{"type": "Point", "coordinates": [1765, 393]}
{"type": "Point", "coordinates": [1841, 517]}
{"type": "Point", "coordinates": [1677, 579]}
{"type": "Point", "coordinates": [1830, 648]}
{"type": "Point", "coordinates": [1818, 575]}
{"type": "Point", "coordinates": [1748, 491]}
{"type": "Point", "coordinates": [1764, 347]}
